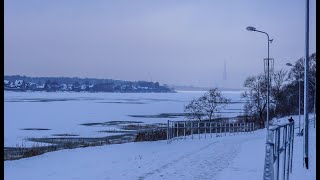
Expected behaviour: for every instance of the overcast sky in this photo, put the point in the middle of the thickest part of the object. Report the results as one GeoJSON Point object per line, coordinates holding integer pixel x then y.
{"type": "Point", "coordinates": [174, 42]}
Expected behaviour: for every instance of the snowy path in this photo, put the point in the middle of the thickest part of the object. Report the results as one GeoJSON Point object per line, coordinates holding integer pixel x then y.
{"type": "Point", "coordinates": [203, 163]}
{"type": "Point", "coordinates": [183, 159]}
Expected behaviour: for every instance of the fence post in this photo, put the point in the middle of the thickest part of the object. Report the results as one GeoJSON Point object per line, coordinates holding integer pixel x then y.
{"type": "Point", "coordinates": [205, 130]}
{"type": "Point", "coordinates": [242, 128]}
{"type": "Point", "coordinates": [184, 130]}
{"type": "Point", "coordinates": [245, 128]}
{"type": "Point", "coordinates": [215, 129]}
{"type": "Point", "coordinates": [211, 129]}
{"type": "Point", "coordinates": [199, 129]}
{"type": "Point", "coordinates": [191, 129]}
{"type": "Point", "coordinates": [168, 132]}
{"type": "Point", "coordinates": [177, 123]}
{"type": "Point", "coordinates": [173, 125]}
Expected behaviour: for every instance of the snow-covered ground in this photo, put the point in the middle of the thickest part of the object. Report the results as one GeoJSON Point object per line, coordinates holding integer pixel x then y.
{"type": "Point", "coordinates": [238, 157]}
{"type": "Point", "coordinates": [63, 112]}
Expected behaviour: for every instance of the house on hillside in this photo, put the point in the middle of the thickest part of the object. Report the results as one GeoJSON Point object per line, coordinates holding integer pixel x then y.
{"type": "Point", "coordinates": [83, 87]}
{"type": "Point", "coordinates": [20, 84]}
{"type": "Point", "coordinates": [64, 87]}
{"type": "Point", "coordinates": [6, 83]}
{"type": "Point", "coordinates": [32, 86]}
{"type": "Point", "coordinates": [54, 86]}
{"type": "Point", "coordinates": [40, 86]}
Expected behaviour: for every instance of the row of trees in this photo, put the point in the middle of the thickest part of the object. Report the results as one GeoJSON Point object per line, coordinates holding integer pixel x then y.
{"type": "Point", "coordinates": [23, 83]}
{"type": "Point", "coordinates": [284, 92]}
{"type": "Point", "coordinates": [284, 96]}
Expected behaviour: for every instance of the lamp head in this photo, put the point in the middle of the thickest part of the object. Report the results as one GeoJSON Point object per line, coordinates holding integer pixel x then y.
{"type": "Point", "coordinates": [250, 28]}
{"type": "Point", "coordinates": [289, 64]}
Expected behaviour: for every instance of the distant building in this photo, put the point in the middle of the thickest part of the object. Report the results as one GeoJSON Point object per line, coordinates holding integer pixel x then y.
{"type": "Point", "coordinates": [19, 84]}
{"type": "Point", "coordinates": [40, 86]}
{"type": "Point", "coordinates": [6, 83]}
{"type": "Point", "coordinates": [32, 86]}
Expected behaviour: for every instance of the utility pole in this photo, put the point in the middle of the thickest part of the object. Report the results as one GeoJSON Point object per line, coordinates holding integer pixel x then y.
{"type": "Point", "coordinates": [306, 90]}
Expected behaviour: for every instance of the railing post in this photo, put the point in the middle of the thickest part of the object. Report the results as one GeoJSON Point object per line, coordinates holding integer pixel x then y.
{"type": "Point", "coordinates": [278, 152]}
{"type": "Point", "coordinates": [285, 151]}
{"type": "Point", "coordinates": [292, 132]}
{"type": "Point", "coordinates": [289, 153]}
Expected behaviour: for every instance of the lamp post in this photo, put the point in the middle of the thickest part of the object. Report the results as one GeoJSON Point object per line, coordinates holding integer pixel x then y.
{"type": "Point", "coordinates": [250, 28]}
{"type": "Point", "coordinates": [299, 79]}
{"type": "Point", "coordinates": [306, 90]}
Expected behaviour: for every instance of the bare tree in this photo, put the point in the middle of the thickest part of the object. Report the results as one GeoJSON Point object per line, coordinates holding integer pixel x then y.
{"type": "Point", "coordinates": [212, 103]}
{"type": "Point", "coordinates": [256, 96]}
{"type": "Point", "coordinates": [278, 93]}
{"type": "Point", "coordinates": [194, 110]}
{"type": "Point", "coordinates": [207, 106]}
{"type": "Point", "coordinates": [284, 92]}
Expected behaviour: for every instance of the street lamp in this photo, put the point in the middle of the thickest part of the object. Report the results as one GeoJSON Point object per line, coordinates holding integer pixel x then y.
{"type": "Point", "coordinates": [306, 90]}
{"type": "Point", "coordinates": [289, 64]}
{"type": "Point", "coordinates": [250, 28]}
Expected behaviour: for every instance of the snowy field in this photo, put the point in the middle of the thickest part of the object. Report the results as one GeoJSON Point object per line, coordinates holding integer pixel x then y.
{"type": "Point", "coordinates": [231, 157]}
{"type": "Point", "coordinates": [45, 114]}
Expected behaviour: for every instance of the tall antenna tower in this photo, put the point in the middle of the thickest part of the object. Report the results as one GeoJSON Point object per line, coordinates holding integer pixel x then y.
{"type": "Point", "coordinates": [225, 71]}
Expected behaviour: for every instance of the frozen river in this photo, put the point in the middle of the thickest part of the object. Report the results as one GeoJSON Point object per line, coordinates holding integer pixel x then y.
{"type": "Point", "coordinates": [49, 114]}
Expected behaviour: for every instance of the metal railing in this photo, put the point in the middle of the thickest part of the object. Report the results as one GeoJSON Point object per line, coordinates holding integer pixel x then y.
{"type": "Point", "coordinates": [184, 129]}
{"type": "Point", "coordinates": [279, 143]}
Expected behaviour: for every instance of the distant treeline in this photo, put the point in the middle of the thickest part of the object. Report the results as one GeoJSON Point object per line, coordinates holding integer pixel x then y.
{"type": "Point", "coordinates": [24, 83]}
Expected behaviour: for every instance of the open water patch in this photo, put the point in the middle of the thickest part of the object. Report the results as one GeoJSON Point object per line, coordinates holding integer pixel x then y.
{"type": "Point", "coordinates": [162, 115]}
{"type": "Point", "coordinates": [120, 102]}
{"type": "Point", "coordinates": [35, 129]}
{"type": "Point", "coordinates": [64, 135]}
{"type": "Point", "coordinates": [109, 123]}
